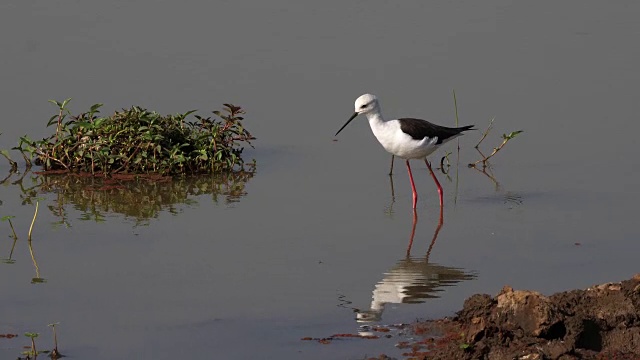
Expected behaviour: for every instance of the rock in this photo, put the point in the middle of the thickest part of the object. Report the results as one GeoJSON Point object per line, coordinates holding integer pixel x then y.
{"type": "Point", "coordinates": [529, 311]}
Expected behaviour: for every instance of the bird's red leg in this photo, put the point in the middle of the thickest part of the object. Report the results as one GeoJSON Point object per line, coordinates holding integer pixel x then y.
{"type": "Point", "coordinates": [413, 186]}
{"type": "Point", "coordinates": [436, 180]}
{"type": "Point", "coordinates": [435, 235]}
{"type": "Point", "coordinates": [413, 232]}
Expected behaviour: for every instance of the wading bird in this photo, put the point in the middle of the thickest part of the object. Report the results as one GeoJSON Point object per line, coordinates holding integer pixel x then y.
{"type": "Point", "coordinates": [406, 138]}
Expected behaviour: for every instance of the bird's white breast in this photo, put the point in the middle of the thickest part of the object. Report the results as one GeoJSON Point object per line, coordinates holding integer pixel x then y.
{"type": "Point", "coordinates": [395, 141]}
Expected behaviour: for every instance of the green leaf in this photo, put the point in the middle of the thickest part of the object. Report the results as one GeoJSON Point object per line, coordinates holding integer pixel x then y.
{"type": "Point", "coordinates": [95, 107]}
{"type": "Point", "coordinates": [84, 125]}
{"type": "Point", "coordinates": [512, 134]}
{"type": "Point", "coordinates": [53, 120]}
{"type": "Point", "coordinates": [188, 113]}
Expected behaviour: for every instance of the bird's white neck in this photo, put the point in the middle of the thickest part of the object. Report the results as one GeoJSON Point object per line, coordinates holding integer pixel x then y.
{"type": "Point", "coordinates": [375, 118]}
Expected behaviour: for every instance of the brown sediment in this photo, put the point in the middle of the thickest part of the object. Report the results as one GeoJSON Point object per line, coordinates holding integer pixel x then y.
{"type": "Point", "coordinates": [600, 322]}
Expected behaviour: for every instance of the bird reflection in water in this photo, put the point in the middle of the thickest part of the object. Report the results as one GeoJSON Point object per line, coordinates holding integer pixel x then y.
{"type": "Point", "coordinates": [412, 280]}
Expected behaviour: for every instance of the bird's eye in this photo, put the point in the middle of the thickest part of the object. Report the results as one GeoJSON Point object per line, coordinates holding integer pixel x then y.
{"type": "Point", "coordinates": [363, 106]}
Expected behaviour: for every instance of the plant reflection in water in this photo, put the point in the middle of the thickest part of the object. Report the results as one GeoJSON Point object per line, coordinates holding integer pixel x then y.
{"type": "Point", "coordinates": [140, 198]}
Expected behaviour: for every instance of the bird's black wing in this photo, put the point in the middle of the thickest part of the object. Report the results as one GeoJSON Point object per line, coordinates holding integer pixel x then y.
{"type": "Point", "coordinates": [418, 129]}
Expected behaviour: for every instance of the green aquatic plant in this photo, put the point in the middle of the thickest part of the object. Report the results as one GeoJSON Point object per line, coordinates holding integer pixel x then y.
{"type": "Point", "coordinates": [24, 147]}
{"type": "Point", "coordinates": [33, 221]}
{"type": "Point", "coordinates": [14, 165]}
{"type": "Point", "coordinates": [55, 354]}
{"type": "Point", "coordinates": [33, 351]}
{"type": "Point", "coordinates": [505, 139]}
{"type": "Point", "coordinates": [38, 279]}
{"type": "Point", "coordinates": [8, 219]}
{"type": "Point", "coordinates": [139, 141]}
{"type": "Point", "coordinates": [5, 154]}
{"type": "Point", "coordinates": [9, 259]}
{"type": "Point", "coordinates": [14, 236]}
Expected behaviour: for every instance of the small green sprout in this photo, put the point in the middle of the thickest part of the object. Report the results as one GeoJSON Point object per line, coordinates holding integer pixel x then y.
{"type": "Point", "coordinates": [8, 218]}
{"type": "Point", "coordinates": [33, 350]}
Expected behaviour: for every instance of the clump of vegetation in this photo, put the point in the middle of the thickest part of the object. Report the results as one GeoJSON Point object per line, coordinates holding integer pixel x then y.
{"type": "Point", "coordinates": [139, 141]}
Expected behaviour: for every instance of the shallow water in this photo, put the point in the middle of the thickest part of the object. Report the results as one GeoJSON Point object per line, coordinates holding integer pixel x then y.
{"type": "Point", "coordinates": [316, 232]}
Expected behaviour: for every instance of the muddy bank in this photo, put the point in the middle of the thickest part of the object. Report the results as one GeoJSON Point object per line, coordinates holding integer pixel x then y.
{"type": "Point", "coordinates": [601, 322]}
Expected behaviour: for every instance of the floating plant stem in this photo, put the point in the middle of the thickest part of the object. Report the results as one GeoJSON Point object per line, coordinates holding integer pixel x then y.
{"type": "Point", "coordinates": [8, 219]}
{"type": "Point", "coordinates": [36, 279]}
{"type": "Point", "coordinates": [505, 140]}
{"type": "Point", "coordinates": [445, 164]}
{"type": "Point", "coordinates": [10, 260]}
{"type": "Point", "coordinates": [486, 170]}
{"type": "Point", "coordinates": [35, 214]}
{"type": "Point", "coordinates": [486, 132]}
{"type": "Point", "coordinates": [455, 105]}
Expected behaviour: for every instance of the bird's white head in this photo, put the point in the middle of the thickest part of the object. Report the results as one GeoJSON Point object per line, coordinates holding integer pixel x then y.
{"type": "Point", "coordinates": [366, 103]}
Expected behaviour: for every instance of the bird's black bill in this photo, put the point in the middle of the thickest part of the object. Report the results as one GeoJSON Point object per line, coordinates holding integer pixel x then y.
{"type": "Point", "coordinates": [347, 123]}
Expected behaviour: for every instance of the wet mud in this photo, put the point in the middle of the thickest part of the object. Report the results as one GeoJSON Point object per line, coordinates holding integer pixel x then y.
{"type": "Point", "coordinates": [600, 322]}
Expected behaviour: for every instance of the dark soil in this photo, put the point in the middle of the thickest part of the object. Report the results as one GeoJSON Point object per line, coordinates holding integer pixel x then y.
{"type": "Point", "coordinates": [601, 322]}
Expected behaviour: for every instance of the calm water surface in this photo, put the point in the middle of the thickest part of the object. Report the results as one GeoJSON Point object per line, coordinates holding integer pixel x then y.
{"type": "Point", "coordinates": [245, 268]}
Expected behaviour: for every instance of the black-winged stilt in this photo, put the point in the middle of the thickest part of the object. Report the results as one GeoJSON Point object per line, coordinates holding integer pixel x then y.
{"type": "Point", "coordinates": [406, 138]}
